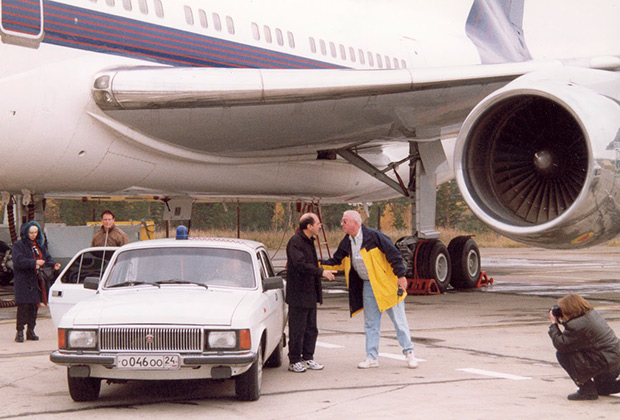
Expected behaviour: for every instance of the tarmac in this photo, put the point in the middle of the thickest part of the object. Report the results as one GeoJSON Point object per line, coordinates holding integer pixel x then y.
{"type": "Point", "coordinates": [483, 354]}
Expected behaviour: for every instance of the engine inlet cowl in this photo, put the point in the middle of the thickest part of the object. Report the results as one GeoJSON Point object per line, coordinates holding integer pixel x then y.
{"type": "Point", "coordinates": [537, 161]}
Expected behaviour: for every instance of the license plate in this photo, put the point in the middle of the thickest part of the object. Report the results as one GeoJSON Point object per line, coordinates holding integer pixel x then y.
{"type": "Point", "coordinates": [154, 362]}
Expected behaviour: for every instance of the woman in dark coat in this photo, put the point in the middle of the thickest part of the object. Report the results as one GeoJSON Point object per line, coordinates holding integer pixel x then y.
{"type": "Point", "coordinates": [29, 255]}
{"type": "Point", "coordinates": [587, 349]}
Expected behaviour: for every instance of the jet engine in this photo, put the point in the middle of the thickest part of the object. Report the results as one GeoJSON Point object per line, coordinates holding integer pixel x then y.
{"type": "Point", "coordinates": [539, 160]}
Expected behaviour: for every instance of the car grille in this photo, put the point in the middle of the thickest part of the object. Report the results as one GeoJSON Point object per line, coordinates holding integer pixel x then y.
{"type": "Point", "coordinates": [151, 339]}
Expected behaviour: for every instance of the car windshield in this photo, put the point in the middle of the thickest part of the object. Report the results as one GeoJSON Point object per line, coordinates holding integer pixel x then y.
{"type": "Point", "coordinates": [182, 265]}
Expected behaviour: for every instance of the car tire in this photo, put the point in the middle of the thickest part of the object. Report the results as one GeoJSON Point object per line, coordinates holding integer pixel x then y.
{"type": "Point", "coordinates": [83, 389]}
{"type": "Point", "coordinates": [275, 360]}
{"type": "Point", "coordinates": [248, 384]}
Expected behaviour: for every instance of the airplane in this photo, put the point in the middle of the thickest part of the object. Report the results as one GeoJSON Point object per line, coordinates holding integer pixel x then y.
{"type": "Point", "coordinates": [348, 101]}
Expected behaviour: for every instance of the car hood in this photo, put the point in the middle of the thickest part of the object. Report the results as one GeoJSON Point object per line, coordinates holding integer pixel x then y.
{"type": "Point", "coordinates": [166, 305]}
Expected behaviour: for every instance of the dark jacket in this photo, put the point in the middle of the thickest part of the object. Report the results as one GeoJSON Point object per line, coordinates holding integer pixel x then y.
{"type": "Point", "coordinates": [25, 279]}
{"type": "Point", "coordinates": [591, 343]}
{"type": "Point", "coordinates": [115, 237]}
{"type": "Point", "coordinates": [303, 274]}
{"type": "Point", "coordinates": [383, 262]}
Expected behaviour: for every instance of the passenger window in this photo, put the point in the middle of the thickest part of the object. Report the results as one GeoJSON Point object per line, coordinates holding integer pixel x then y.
{"type": "Point", "coordinates": [255, 31]}
{"type": "Point", "coordinates": [202, 17]}
{"type": "Point", "coordinates": [343, 52]}
{"type": "Point", "coordinates": [144, 8]}
{"type": "Point", "coordinates": [279, 37]}
{"type": "Point", "coordinates": [332, 49]}
{"type": "Point", "coordinates": [323, 48]}
{"type": "Point", "coordinates": [312, 45]}
{"type": "Point", "coordinates": [403, 64]}
{"type": "Point", "coordinates": [230, 25]}
{"type": "Point", "coordinates": [291, 40]}
{"type": "Point", "coordinates": [267, 32]}
{"type": "Point", "coordinates": [189, 15]}
{"type": "Point", "coordinates": [361, 55]}
{"type": "Point", "coordinates": [89, 264]}
{"type": "Point", "coordinates": [110, 3]}
{"type": "Point", "coordinates": [217, 23]}
{"type": "Point", "coordinates": [396, 65]}
{"type": "Point", "coordinates": [379, 61]}
{"type": "Point", "coordinates": [387, 62]}
{"type": "Point", "coordinates": [159, 8]}
{"type": "Point", "coordinates": [352, 54]}
{"type": "Point", "coordinates": [127, 5]}
{"type": "Point", "coordinates": [370, 59]}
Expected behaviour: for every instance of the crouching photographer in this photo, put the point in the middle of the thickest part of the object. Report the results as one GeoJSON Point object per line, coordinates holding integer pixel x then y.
{"type": "Point", "coordinates": [587, 349]}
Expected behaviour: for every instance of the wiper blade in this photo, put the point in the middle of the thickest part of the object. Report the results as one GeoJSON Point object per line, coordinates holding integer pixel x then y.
{"type": "Point", "coordinates": [179, 281]}
{"type": "Point", "coordinates": [134, 283]}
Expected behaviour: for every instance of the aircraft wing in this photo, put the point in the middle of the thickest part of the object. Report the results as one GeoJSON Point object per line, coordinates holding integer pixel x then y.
{"type": "Point", "coordinates": [238, 112]}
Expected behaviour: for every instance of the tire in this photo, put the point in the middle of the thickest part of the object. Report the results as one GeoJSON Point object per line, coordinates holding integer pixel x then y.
{"type": "Point", "coordinates": [248, 384]}
{"type": "Point", "coordinates": [466, 267]}
{"type": "Point", "coordinates": [275, 360]}
{"type": "Point", "coordinates": [83, 389]}
{"type": "Point", "coordinates": [6, 274]}
{"type": "Point", "coordinates": [434, 263]}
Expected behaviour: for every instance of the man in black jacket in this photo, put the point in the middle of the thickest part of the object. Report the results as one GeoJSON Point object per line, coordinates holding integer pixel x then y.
{"type": "Point", "coordinates": [303, 291]}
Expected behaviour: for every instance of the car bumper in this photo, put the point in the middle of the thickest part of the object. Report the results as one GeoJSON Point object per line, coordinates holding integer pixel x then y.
{"type": "Point", "coordinates": [109, 360]}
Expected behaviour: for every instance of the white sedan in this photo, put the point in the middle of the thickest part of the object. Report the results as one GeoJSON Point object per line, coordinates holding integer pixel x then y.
{"type": "Point", "coordinates": [173, 309]}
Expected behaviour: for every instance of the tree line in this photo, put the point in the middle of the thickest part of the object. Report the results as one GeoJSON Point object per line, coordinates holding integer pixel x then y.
{"type": "Point", "coordinates": [452, 212]}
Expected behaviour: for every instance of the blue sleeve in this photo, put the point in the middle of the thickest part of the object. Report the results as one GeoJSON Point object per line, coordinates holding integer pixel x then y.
{"type": "Point", "coordinates": [22, 257]}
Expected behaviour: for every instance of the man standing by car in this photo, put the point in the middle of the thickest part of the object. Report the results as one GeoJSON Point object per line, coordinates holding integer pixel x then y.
{"type": "Point", "coordinates": [375, 275]}
{"type": "Point", "coordinates": [109, 234]}
{"type": "Point", "coordinates": [303, 291]}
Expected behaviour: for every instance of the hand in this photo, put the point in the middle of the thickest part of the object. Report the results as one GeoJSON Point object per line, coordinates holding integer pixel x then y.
{"type": "Point", "coordinates": [40, 263]}
{"type": "Point", "coordinates": [402, 283]}
{"type": "Point", "coordinates": [553, 319]}
{"type": "Point", "coordinates": [57, 266]}
{"type": "Point", "coordinates": [329, 274]}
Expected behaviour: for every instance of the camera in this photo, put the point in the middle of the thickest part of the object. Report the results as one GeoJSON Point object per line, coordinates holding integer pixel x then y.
{"type": "Point", "coordinates": [556, 311]}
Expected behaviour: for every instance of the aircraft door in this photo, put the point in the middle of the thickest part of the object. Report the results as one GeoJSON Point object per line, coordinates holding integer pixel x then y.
{"type": "Point", "coordinates": [21, 22]}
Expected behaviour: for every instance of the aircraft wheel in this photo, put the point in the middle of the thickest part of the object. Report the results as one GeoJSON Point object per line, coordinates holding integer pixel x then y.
{"type": "Point", "coordinates": [466, 267]}
{"type": "Point", "coordinates": [434, 263]}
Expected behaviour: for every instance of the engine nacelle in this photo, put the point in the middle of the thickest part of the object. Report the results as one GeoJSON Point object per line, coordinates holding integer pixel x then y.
{"type": "Point", "coordinates": [539, 160]}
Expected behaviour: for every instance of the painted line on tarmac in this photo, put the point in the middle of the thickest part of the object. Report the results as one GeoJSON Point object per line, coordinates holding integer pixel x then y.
{"type": "Point", "coordinates": [494, 374]}
{"type": "Point", "coordinates": [328, 346]}
{"type": "Point", "coordinates": [398, 357]}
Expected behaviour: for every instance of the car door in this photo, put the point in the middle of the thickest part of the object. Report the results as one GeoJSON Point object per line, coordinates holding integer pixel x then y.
{"type": "Point", "coordinates": [68, 289]}
{"type": "Point", "coordinates": [274, 302]}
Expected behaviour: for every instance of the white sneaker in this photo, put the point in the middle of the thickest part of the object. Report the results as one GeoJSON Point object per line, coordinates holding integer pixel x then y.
{"type": "Point", "coordinates": [412, 363]}
{"type": "Point", "coordinates": [312, 365]}
{"type": "Point", "coordinates": [297, 367]}
{"type": "Point", "coordinates": [368, 363]}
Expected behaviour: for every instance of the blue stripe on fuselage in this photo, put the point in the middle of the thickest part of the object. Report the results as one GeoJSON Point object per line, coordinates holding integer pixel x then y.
{"type": "Point", "coordinates": [85, 29]}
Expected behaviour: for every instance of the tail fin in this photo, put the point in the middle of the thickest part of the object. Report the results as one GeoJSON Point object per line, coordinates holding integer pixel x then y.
{"type": "Point", "coordinates": [495, 28]}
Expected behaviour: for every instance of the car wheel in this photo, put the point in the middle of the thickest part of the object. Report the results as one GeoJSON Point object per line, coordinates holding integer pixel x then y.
{"type": "Point", "coordinates": [275, 360]}
{"type": "Point", "coordinates": [247, 385]}
{"type": "Point", "coordinates": [83, 389]}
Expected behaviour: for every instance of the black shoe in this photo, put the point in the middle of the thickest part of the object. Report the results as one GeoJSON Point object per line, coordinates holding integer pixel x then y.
{"type": "Point", "coordinates": [19, 337]}
{"type": "Point", "coordinates": [585, 392]}
{"type": "Point", "coordinates": [30, 335]}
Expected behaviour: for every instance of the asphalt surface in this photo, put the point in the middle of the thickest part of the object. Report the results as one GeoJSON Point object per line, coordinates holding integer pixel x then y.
{"type": "Point", "coordinates": [483, 353]}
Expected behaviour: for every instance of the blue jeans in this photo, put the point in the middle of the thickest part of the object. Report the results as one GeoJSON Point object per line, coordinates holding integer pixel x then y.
{"type": "Point", "coordinates": [372, 323]}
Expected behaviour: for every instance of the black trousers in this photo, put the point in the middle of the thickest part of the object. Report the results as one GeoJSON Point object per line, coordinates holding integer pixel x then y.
{"type": "Point", "coordinates": [27, 315]}
{"type": "Point", "coordinates": [302, 332]}
{"type": "Point", "coordinates": [605, 382]}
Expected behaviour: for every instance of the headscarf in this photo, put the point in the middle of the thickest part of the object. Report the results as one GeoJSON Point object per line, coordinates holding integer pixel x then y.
{"type": "Point", "coordinates": [24, 233]}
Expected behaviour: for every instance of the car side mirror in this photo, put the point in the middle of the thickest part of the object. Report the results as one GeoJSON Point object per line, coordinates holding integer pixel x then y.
{"type": "Point", "coordinates": [91, 283]}
{"type": "Point", "coordinates": [273, 283]}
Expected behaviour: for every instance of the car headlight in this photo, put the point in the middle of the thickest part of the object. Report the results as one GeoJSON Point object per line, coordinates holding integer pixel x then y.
{"type": "Point", "coordinates": [77, 339]}
{"type": "Point", "coordinates": [228, 340]}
